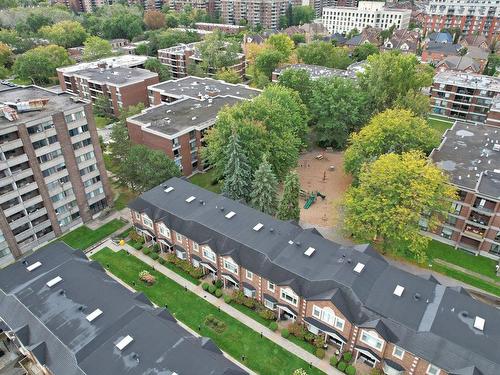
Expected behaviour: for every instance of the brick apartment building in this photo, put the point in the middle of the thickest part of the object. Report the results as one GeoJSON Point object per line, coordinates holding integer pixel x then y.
{"type": "Point", "coordinates": [183, 111]}
{"type": "Point", "coordinates": [52, 174]}
{"type": "Point", "coordinates": [470, 16]}
{"type": "Point", "coordinates": [471, 156]}
{"type": "Point", "coordinates": [224, 27]}
{"type": "Point", "coordinates": [315, 72]}
{"type": "Point", "coordinates": [178, 58]}
{"type": "Point", "coordinates": [51, 325]}
{"type": "Point", "coordinates": [388, 318]}
{"type": "Point", "coordinates": [463, 96]}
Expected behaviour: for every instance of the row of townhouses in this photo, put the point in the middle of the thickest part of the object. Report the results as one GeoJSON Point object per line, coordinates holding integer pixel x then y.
{"type": "Point", "coordinates": [388, 318]}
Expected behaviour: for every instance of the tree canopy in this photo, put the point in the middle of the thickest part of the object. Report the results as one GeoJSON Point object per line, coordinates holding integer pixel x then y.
{"type": "Point", "coordinates": [264, 194]}
{"type": "Point", "coordinates": [96, 48]}
{"type": "Point", "coordinates": [154, 19]}
{"type": "Point", "coordinates": [364, 50]}
{"type": "Point", "coordinates": [288, 208]}
{"type": "Point", "coordinates": [237, 173]}
{"type": "Point", "coordinates": [298, 80]}
{"type": "Point", "coordinates": [217, 53]}
{"type": "Point", "coordinates": [228, 75]}
{"type": "Point", "coordinates": [154, 65]}
{"type": "Point", "coordinates": [393, 193]}
{"type": "Point", "coordinates": [281, 43]}
{"type": "Point", "coordinates": [65, 33]}
{"type": "Point", "coordinates": [324, 54]}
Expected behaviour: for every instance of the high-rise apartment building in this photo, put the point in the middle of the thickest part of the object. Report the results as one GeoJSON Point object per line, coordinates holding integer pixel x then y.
{"type": "Point", "coordinates": [470, 16]}
{"type": "Point", "coordinates": [52, 174]}
{"type": "Point", "coordinates": [318, 5]}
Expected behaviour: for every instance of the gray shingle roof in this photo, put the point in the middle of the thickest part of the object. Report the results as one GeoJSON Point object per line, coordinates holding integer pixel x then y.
{"type": "Point", "coordinates": [425, 319]}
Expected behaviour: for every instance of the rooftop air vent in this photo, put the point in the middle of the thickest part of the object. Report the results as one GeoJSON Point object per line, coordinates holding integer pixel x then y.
{"type": "Point", "coordinates": [93, 315]}
{"type": "Point", "coordinates": [169, 189]}
{"type": "Point", "coordinates": [258, 227]}
{"type": "Point", "coordinates": [122, 344]}
{"type": "Point", "coordinates": [417, 296]}
{"type": "Point", "coordinates": [359, 267]}
{"type": "Point", "coordinates": [496, 147]}
{"type": "Point", "coordinates": [310, 251]}
{"type": "Point", "coordinates": [190, 199]}
{"type": "Point", "coordinates": [54, 281]}
{"type": "Point", "coordinates": [398, 291]}
{"type": "Point", "coordinates": [290, 242]}
{"type": "Point", "coordinates": [34, 266]}
{"type": "Point", "coordinates": [230, 214]}
{"type": "Point", "coordinates": [479, 323]}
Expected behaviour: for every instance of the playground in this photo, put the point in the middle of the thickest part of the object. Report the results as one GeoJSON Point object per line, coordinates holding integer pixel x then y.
{"type": "Point", "coordinates": [323, 183]}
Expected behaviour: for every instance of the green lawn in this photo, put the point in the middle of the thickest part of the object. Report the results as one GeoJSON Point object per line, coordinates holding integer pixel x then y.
{"type": "Point", "coordinates": [205, 181]}
{"type": "Point", "coordinates": [440, 125]}
{"type": "Point", "coordinates": [101, 122]}
{"type": "Point", "coordinates": [261, 354]}
{"type": "Point", "coordinates": [84, 237]}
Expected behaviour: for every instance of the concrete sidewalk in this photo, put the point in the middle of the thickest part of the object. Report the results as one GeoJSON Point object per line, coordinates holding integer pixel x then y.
{"type": "Point", "coordinates": [321, 364]}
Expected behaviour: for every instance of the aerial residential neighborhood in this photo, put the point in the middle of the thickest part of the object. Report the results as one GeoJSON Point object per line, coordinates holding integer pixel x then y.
{"type": "Point", "coordinates": [249, 187]}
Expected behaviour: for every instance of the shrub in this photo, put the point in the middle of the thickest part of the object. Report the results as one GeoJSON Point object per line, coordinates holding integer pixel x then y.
{"type": "Point", "coordinates": [146, 251]}
{"type": "Point", "coordinates": [342, 366]}
{"type": "Point", "coordinates": [196, 272]}
{"type": "Point", "coordinates": [309, 337]}
{"type": "Point", "coordinates": [218, 293]}
{"type": "Point", "coordinates": [350, 370]}
{"type": "Point", "coordinates": [215, 324]}
{"type": "Point", "coordinates": [273, 326]}
{"type": "Point", "coordinates": [298, 330]}
{"type": "Point", "coordinates": [319, 341]}
{"type": "Point", "coordinates": [162, 261]}
{"type": "Point", "coordinates": [227, 299]}
{"type": "Point", "coordinates": [156, 248]}
{"type": "Point", "coordinates": [333, 361]}
{"type": "Point", "coordinates": [134, 236]}
{"type": "Point", "coordinates": [137, 246]}
{"type": "Point", "coordinates": [212, 289]}
{"type": "Point", "coordinates": [238, 297]}
{"type": "Point", "coordinates": [147, 277]}
{"type": "Point", "coordinates": [218, 284]}
{"type": "Point", "coordinates": [285, 333]}
{"type": "Point", "coordinates": [320, 353]}
{"type": "Point", "coordinates": [205, 286]}
{"type": "Point", "coordinates": [249, 302]}
{"type": "Point", "coordinates": [267, 314]}
{"type": "Point", "coordinates": [347, 357]}
{"type": "Point", "coordinates": [154, 256]}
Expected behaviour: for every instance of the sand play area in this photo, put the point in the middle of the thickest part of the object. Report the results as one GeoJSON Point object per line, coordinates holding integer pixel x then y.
{"type": "Point", "coordinates": [323, 174]}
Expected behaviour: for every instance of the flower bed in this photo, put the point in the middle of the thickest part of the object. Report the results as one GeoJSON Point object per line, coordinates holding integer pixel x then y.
{"type": "Point", "coordinates": [215, 324]}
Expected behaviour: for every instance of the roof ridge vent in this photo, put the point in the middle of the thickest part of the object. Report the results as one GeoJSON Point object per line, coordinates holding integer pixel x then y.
{"type": "Point", "coordinates": [398, 291]}
{"type": "Point", "coordinates": [123, 343]}
{"type": "Point", "coordinates": [94, 314]}
{"type": "Point", "coordinates": [479, 323]}
{"type": "Point", "coordinates": [190, 199]}
{"type": "Point", "coordinates": [230, 214]}
{"type": "Point", "coordinates": [359, 267]}
{"type": "Point", "coordinates": [34, 266]}
{"type": "Point", "coordinates": [310, 251]}
{"type": "Point", "coordinates": [54, 281]}
{"type": "Point", "coordinates": [258, 227]}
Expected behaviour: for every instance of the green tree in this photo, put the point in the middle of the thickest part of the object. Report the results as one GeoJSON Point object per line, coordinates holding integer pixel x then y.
{"type": "Point", "coordinates": [217, 53]}
{"type": "Point", "coordinates": [281, 43]}
{"type": "Point", "coordinates": [392, 131]}
{"type": "Point", "coordinates": [6, 55]}
{"type": "Point", "coordinates": [39, 64]}
{"type": "Point", "coordinates": [298, 80]}
{"type": "Point", "coordinates": [283, 22]}
{"type": "Point", "coordinates": [493, 65]}
{"type": "Point", "coordinates": [228, 75]}
{"type": "Point", "coordinates": [302, 14]}
{"type": "Point", "coordinates": [5, 4]}
{"type": "Point", "coordinates": [119, 21]}
{"type": "Point", "coordinates": [154, 65]}
{"type": "Point", "coordinates": [102, 106]}
{"type": "Point", "coordinates": [390, 75]}
{"type": "Point", "coordinates": [364, 50]}
{"type": "Point", "coordinates": [393, 192]}
{"type": "Point", "coordinates": [414, 101]}
{"type": "Point", "coordinates": [324, 54]}
{"type": "Point", "coordinates": [66, 33]}
{"type": "Point", "coordinates": [351, 34]}
{"type": "Point", "coordinates": [96, 48]}
{"type": "Point", "coordinates": [237, 171]}
{"type": "Point", "coordinates": [267, 61]}
{"type": "Point", "coordinates": [142, 49]}
{"type": "Point", "coordinates": [337, 106]}
{"type": "Point", "coordinates": [264, 195]}
{"type": "Point", "coordinates": [171, 20]}
{"type": "Point", "coordinates": [288, 208]}
{"type": "Point", "coordinates": [298, 38]}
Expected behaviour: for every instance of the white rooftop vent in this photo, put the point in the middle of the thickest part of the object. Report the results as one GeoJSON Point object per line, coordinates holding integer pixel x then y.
{"type": "Point", "coordinates": [359, 267]}
{"type": "Point", "coordinates": [93, 315]}
{"type": "Point", "coordinates": [258, 227]}
{"type": "Point", "coordinates": [290, 242]}
{"type": "Point", "coordinates": [54, 281]}
{"type": "Point", "coordinates": [190, 199]}
{"type": "Point", "coordinates": [399, 290]}
{"type": "Point", "coordinates": [169, 189]}
{"type": "Point", "coordinates": [309, 251]}
{"type": "Point", "coordinates": [230, 214]}
{"type": "Point", "coordinates": [124, 342]}
{"type": "Point", "coordinates": [496, 147]}
{"type": "Point", "coordinates": [479, 323]}
{"type": "Point", "coordinates": [34, 266]}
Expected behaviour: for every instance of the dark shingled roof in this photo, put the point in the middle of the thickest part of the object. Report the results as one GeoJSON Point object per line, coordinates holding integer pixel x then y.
{"type": "Point", "coordinates": [52, 323]}
{"type": "Point", "coordinates": [426, 320]}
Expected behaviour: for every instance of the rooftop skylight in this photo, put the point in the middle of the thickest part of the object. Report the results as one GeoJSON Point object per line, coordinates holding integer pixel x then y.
{"type": "Point", "coordinates": [54, 281]}
{"type": "Point", "coordinates": [258, 227]}
{"type": "Point", "coordinates": [230, 214]}
{"type": "Point", "coordinates": [479, 323]}
{"type": "Point", "coordinates": [190, 199]}
{"type": "Point", "coordinates": [398, 291]}
{"type": "Point", "coordinates": [169, 189]}
{"type": "Point", "coordinates": [34, 266]}
{"type": "Point", "coordinates": [310, 251]}
{"type": "Point", "coordinates": [124, 342]}
{"type": "Point", "coordinates": [359, 267]}
{"type": "Point", "coordinates": [93, 315]}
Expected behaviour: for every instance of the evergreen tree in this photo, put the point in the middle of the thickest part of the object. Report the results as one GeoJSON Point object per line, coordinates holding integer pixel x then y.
{"type": "Point", "coordinates": [264, 188]}
{"type": "Point", "coordinates": [237, 170]}
{"type": "Point", "coordinates": [289, 204]}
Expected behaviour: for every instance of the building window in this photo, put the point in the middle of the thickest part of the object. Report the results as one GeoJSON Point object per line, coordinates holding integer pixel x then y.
{"type": "Point", "coordinates": [446, 233]}
{"type": "Point", "coordinates": [271, 286]}
{"type": "Point", "coordinates": [196, 247]}
{"type": "Point", "coordinates": [433, 370]}
{"type": "Point", "coordinates": [208, 253]}
{"type": "Point", "coordinates": [147, 221]}
{"type": "Point", "coordinates": [339, 323]}
{"type": "Point", "coordinates": [249, 275]}
{"type": "Point", "coordinates": [178, 237]}
{"type": "Point", "coordinates": [316, 312]}
{"type": "Point", "coordinates": [289, 296]}
{"type": "Point", "coordinates": [230, 266]}
{"type": "Point", "coordinates": [137, 216]}
{"type": "Point", "coordinates": [398, 352]}
{"type": "Point", "coordinates": [269, 304]}
{"type": "Point", "coordinates": [164, 231]}
{"type": "Point", "coordinates": [371, 340]}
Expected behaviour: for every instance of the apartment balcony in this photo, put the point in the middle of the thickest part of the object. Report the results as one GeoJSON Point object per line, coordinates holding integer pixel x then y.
{"type": "Point", "coordinates": [476, 218]}
{"type": "Point", "coordinates": [486, 209]}
{"type": "Point", "coordinates": [18, 165]}
{"type": "Point", "coordinates": [12, 145]}
{"type": "Point", "coordinates": [474, 231]}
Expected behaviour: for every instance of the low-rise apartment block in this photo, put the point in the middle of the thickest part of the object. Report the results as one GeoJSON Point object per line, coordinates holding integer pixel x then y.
{"type": "Point", "coordinates": [350, 295]}
{"type": "Point", "coordinates": [470, 154]}
{"type": "Point", "coordinates": [183, 111]}
{"type": "Point", "coordinates": [463, 96]}
{"type": "Point", "coordinates": [52, 174]}
{"type": "Point", "coordinates": [178, 58]}
{"type": "Point", "coordinates": [62, 314]}
{"type": "Point", "coordinates": [341, 19]}
{"type": "Point", "coordinates": [224, 27]}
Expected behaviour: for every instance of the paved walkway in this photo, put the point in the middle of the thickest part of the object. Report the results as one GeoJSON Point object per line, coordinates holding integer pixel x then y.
{"type": "Point", "coordinates": [321, 364]}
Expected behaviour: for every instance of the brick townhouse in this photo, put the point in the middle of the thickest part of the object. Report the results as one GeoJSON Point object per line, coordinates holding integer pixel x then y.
{"type": "Point", "coordinates": [470, 155]}
{"type": "Point", "coordinates": [183, 110]}
{"type": "Point", "coordinates": [388, 318]}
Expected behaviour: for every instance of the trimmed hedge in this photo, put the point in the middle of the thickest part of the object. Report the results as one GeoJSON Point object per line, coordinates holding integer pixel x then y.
{"type": "Point", "coordinates": [333, 361]}
{"type": "Point", "coordinates": [285, 333]}
{"type": "Point", "coordinates": [347, 357]}
{"type": "Point", "coordinates": [218, 293]}
{"type": "Point", "coordinates": [154, 256]}
{"type": "Point", "coordinates": [162, 261]}
{"type": "Point", "coordinates": [228, 299]}
{"type": "Point", "coordinates": [342, 366]}
{"type": "Point", "coordinates": [350, 370]}
{"type": "Point", "coordinates": [320, 353]}
{"type": "Point", "coordinates": [146, 251]}
{"type": "Point", "coordinates": [205, 286]}
{"type": "Point", "coordinates": [211, 289]}
{"type": "Point", "coordinates": [273, 326]}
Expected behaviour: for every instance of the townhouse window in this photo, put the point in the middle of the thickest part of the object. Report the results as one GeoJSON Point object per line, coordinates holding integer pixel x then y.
{"type": "Point", "coordinates": [446, 233]}
{"type": "Point", "coordinates": [328, 316]}
{"type": "Point", "coordinates": [208, 253]}
{"type": "Point", "coordinates": [433, 370]}
{"type": "Point", "coordinates": [230, 266]}
{"type": "Point", "coordinates": [339, 324]}
{"type": "Point", "coordinates": [289, 296]}
{"type": "Point", "coordinates": [249, 275]}
{"type": "Point", "coordinates": [147, 222]}
{"type": "Point", "coordinates": [371, 340]}
{"type": "Point", "coordinates": [178, 237]}
{"type": "Point", "coordinates": [164, 231]}
{"type": "Point", "coordinates": [196, 247]}
{"type": "Point", "coordinates": [269, 304]}
{"type": "Point", "coordinates": [316, 312]}
{"type": "Point", "coordinates": [137, 215]}
{"type": "Point", "coordinates": [271, 286]}
{"type": "Point", "coordinates": [398, 352]}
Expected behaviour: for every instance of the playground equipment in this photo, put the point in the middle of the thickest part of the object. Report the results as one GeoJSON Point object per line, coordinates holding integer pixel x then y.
{"type": "Point", "coordinates": [311, 197]}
